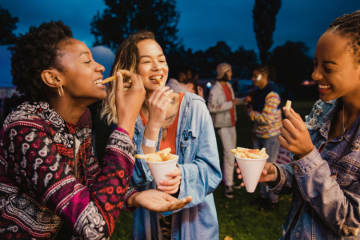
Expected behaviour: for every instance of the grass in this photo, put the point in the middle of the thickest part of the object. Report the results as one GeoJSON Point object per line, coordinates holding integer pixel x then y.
{"type": "Point", "coordinates": [237, 218]}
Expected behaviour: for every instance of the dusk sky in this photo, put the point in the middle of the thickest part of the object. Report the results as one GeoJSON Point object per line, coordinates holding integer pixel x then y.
{"type": "Point", "coordinates": [202, 22]}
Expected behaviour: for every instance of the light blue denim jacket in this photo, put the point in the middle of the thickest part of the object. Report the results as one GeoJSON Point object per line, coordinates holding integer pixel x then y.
{"type": "Point", "coordinates": [201, 174]}
{"type": "Point", "coordinates": [331, 207]}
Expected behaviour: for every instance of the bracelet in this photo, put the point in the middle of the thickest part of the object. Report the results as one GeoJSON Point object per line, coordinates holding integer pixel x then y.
{"type": "Point", "coordinates": [148, 142]}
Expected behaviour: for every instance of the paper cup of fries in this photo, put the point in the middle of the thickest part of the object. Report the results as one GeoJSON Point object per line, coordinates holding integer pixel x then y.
{"type": "Point", "coordinates": [251, 162]}
{"type": "Point", "coordinates": [160, 163]}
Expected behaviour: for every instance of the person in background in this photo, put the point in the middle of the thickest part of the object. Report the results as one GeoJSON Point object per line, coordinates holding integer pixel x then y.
{"type": "Point", "coordinates": [323, 177]}
{"type": "Point", "coordinates": [51, 184]}
{"type": "Point", "coordinates": [221, 105]}
{"type": "Point", "coordinates": [182, 122]}
{"type": "Point", "coordinates": [266, 115]}
{"type": "Point", "coordinates": [187, 85]}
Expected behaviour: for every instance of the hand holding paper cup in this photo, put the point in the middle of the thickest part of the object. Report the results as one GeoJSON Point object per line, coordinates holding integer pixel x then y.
{"type": "Point", "coordinates": [160, 163]}
{"type": "Point", "coordinates": [251, 162]}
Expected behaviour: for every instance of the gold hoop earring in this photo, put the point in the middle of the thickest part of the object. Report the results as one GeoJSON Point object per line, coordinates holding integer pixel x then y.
{"type": "Point", "coordinates": [62, 91]}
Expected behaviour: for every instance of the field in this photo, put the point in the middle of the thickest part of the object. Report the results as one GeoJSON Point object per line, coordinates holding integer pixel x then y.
{"type": "Point", "coordinates": [236, 217]}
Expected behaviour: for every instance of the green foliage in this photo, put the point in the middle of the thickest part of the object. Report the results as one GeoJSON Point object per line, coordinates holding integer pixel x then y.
{"type": "Point", "coordinates": [204, 62]}
{"type": "Point", "coordinates": [292, 63]}
{"type": "Point", "coordinates": [7, 26]}
{"type": "Point", "coordinates": [125, 17]}
{"type": "Point", "coordinates": [264, 15]}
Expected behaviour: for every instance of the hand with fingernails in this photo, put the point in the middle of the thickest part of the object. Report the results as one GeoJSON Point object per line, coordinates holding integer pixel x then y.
{"type": "Point", "coordinates": [134, 97]}
{"type": "Point", "coordinates": [172, 185]}
{"type": "Point", "coordinates": [295, 136]}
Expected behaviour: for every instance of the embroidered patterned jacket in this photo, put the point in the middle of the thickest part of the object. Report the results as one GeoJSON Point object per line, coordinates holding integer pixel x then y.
{"type": "Point", "coordinates": [38, 184]}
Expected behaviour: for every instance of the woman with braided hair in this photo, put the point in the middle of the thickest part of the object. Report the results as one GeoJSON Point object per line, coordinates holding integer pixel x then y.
{"type": "Point", "coordinates": [325, 169]}
{"type": "Point", "coordinates": [48, 172]}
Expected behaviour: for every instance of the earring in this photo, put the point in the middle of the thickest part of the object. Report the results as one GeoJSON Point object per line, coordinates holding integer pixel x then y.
{"type": "Point", "coordinates": [61, 93]}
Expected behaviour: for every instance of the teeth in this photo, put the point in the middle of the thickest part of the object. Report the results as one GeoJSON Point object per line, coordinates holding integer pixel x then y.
{"type": "Point", "coordinates": [323, 86]}
{"type": "Point", "coordinates": [97, 82]}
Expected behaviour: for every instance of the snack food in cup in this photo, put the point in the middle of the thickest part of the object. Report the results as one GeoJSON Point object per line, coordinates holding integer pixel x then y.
{"type": "Point", "coordinates": [251, 162]}
{"type": "Point", "coordinates": [160, 163]}
{"type": "Point", "coordinates": [288, 105]}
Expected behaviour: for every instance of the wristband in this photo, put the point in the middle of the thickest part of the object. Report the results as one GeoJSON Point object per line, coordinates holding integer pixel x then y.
{"type": "Point", "coordinates": [148, 142]}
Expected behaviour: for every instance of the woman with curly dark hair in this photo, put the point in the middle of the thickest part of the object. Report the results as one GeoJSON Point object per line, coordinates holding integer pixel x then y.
{"type": "Point", "coordinates": [48, 172]}
{"type": "Point", "coordinates": [323, 176]}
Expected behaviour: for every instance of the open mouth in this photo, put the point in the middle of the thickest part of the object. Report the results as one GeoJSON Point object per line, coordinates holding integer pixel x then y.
{"type": "Point", "coordinates": [324, 86]}
{"type": "Point", "coordinates": [158, 79]}
{"type": "Point", "coordinates": [98, 82]}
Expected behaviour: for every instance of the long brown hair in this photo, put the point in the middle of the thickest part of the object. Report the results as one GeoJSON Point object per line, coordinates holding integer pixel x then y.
{"type": "Point", "coordinates": [126, 57]}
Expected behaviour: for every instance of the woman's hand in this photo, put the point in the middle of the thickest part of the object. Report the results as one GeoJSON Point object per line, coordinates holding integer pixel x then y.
{"type": "Point", "coordinates": [157, 201]}
{"type": "Point", "coordinates": [171, 186]}
{"type": "Point", "coordinates": [134, 97]}
{"type": "Point", "coordinates": [294, 135]}
{"type": "Point", "coordinates": [158, 102]}
{"type": "Point", "coordinates": [267, 174]}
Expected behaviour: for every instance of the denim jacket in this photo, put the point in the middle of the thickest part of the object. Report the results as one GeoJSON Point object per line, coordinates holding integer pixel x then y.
{"type": "Point", "coordinates": [200, 171]}
{"type": "Point", "coordinates": [331, 204]}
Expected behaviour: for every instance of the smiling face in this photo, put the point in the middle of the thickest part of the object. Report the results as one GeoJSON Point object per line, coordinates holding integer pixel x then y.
{"type": "Point", "coordinates": [229, 73]}
{"type": "Point", "coordinates": [259, 81]}
{"type": "Point", "coordinates": [80, 71]}
{"type": "Point", "coordinates": [335, 70]}
{"type": "Point", "coordinates": [152, 64]}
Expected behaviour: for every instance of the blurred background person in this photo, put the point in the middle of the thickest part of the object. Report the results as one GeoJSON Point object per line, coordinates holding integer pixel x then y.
{"type": "Point", "coordinates": [266, 115]}
{"type": "Point", "coordinates": [221, 104]}
{"type": "Point", "coordinates": [187, 85]}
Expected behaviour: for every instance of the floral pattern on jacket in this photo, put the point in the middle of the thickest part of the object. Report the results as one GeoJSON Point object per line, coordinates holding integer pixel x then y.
{"type": "Point", "coordinates": [41, 184]}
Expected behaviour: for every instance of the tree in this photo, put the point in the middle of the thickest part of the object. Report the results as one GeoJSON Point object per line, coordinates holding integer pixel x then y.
{"type": "Point", "coordinates": [264, 15]}
{"type": "Point", "coordinates": [125, 17]}
{"type": "Point", "coordinates": [244, 62]}
{"type": "Point", "coordinates": [7, 26]}
{"type": "Point", "coordinates": [292, 63]}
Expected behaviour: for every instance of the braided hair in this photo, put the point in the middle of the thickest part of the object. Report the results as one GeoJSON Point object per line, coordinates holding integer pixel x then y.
{"type": "Point", "coordinates": [266, 70]}
{"type": "Point", "coordinates": [34, 52]}
{"type": "Point", "coordinates": [348, 25]}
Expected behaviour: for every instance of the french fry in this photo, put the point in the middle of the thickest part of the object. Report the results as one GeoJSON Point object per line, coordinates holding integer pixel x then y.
{"type": "Point", "coordinates": [158, 79]}
{"type": "Point", "coordinates": [288, 105]}
{"type": "Point", "coordinates": [165, 151]}
{"type": "Point", "coordinates": [250, 153]}
{"type": "Point", "coordinates": [154, 158]}
{"type": "Point", "coordinates": [141, 156]}
{"type": "Point", "coordinates": [160, 156]}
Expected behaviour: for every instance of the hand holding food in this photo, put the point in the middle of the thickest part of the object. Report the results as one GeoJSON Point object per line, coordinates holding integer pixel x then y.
{"type": "Point", "coordinates": [171, 185]}
{"type": "Point", "coordinates": [158, 102]}
{"type": "Point", "coordinates": [295, 136]}
{"type": "Point", "coordinates": [157, 201]}
{"type": "Point", "coordinates": [251, 162]}
{"type": "Point", "coordinates": [160, 163]}
{"type": "Point", "coordinates": [134, 98]}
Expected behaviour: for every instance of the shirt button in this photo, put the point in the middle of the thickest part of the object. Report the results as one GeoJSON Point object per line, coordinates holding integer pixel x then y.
{"type": "Point", "coordinates": [297, 235]}
{"type": "Point", "coordinates": [296, 167]}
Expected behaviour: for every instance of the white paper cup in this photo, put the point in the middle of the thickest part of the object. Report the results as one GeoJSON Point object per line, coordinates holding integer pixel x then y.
{"type": "Point", "coordinates": [159, 169]}
{"type": "Point", "coordinates": [251, 171]}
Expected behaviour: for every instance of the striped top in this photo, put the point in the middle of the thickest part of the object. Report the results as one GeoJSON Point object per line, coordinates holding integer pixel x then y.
{"type": "Point", "coordinates": [267, 123]}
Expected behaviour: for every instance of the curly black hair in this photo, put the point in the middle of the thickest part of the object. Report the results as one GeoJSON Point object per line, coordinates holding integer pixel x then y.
{"type": "Point", "coordinates": [267, 70]}
{"type": "Point", "coordinates": [34, 52]}
{"type": "Point", "coordinates": [348, 25]}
